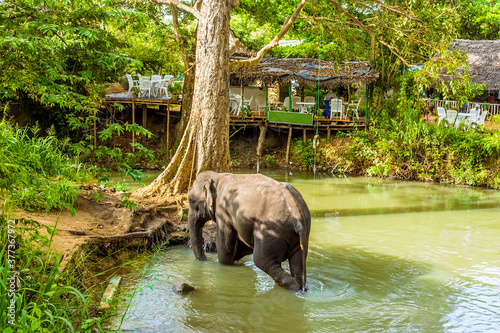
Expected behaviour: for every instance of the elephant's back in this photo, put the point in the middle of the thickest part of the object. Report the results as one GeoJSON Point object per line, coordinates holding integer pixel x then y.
{"type": "Point", "coordinates": [258, 197]}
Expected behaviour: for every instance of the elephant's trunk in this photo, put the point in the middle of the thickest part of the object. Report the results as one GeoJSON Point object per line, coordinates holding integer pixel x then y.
{"type": "Point", "coordinates": [195, 232]}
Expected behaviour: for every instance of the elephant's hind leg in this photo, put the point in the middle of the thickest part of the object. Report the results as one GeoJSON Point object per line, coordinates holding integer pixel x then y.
{"type": "Point", "coordinates": [297, 267]}
{"type": "Point", "coordinates": [268, 258]}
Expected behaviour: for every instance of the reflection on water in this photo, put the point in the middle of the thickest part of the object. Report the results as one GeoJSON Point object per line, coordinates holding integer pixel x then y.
{"type": "Point", "coordinates": [385, 256]}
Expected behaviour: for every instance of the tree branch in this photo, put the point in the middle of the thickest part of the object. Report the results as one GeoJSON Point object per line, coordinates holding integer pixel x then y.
{"type": "Point", "coordinates": [236, 64]}
{"type": "Point", "coordinates": [393, 49]}
{"type": "Point", "coordinates": [392, 9]}
{"type": "Point", "coordinates": [175, 24]}
{"type": "Point", "coordinates": [234, 43]}
{"type": "Point", "coordinates": [179, 5]}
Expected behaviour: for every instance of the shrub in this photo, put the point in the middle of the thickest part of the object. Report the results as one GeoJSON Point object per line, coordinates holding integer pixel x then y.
{"type": "Point", "coordinates": [35, 172]}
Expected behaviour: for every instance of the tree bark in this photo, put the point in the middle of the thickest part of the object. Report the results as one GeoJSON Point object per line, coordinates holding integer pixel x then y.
{"type": "Point", "coordinates": [187, 103]}
{"type": "Point", "coordinates": [205, 143]}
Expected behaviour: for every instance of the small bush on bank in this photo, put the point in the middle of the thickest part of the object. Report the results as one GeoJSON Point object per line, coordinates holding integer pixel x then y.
{"type": "Point", "coordinates": [416, 150]}
{"type": "Point", "coordinates": [35, 173]}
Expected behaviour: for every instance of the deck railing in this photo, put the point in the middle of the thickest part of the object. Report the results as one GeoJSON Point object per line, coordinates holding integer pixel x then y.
{"type": "Point", "coordinates": [492, 109]}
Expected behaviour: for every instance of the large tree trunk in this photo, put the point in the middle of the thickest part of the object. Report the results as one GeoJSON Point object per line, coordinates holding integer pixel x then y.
{"type": "Point", "coordinates": [205, 143]}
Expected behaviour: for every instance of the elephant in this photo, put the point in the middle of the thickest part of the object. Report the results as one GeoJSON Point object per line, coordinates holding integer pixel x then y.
{"type": "Point", "coordinates": [255, 215]}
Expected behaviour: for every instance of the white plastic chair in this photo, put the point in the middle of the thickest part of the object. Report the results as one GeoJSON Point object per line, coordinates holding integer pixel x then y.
{"type": "Point", "coordinates": [355, 107]}
{"type": "Point", "coordinates": [255, 105]}
{"type": "Point", "coordinates": [480, 120]}
{"type": "Point", "coordinates": [167, 79]}
{"type": "Point", "coordinates": [451, 116]}
{"type": "Point", "coordinates": [286, 104]}
{"type": "Point", "coordinates": [474, 116]}
{"type": "Point", "coordinates": [155, 85]}
{"type": "Point", "coordinates": [336, 107]}
{"type": "Point", "coordinates": [441, 114]}
{"type": "Point", "coordinates": [131, 82]}
{"type": "Point", "coordinates": [234, 104]}
{"type": "Point", "coordinates": [295, 99]}
{"type": "Point", "coordinates": [145, 86]}
{"type": "Point", "coordinates": [310, 99]}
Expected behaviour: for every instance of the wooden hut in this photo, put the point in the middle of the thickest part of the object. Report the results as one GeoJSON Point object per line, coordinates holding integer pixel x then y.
{"type": "Point", "coordinates": [307, 72]}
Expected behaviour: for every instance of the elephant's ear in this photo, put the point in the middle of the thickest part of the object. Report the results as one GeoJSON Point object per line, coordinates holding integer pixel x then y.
{"type": "Point", "coordinates": [209, 199]}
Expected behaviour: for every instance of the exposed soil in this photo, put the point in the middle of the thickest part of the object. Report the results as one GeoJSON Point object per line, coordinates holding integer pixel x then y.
{"type": "Point", "coordinates": [108, 223]}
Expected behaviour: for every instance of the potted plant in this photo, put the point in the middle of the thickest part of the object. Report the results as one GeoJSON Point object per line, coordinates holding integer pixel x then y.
{"type": "Point", "coordinates": [245, 111]}
{"type": "Point", "coordinates": [350, 112]}
{"type": "Point", "coordinates": [175, 91]}
{"type": "Point", "coordinates": [135, 92]}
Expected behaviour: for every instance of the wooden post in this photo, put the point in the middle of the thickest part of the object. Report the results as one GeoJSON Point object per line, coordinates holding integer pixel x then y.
{"type": "Point", "coordinates": [288, 146]}
{"type": "Point", "coordinates": [242, 91]}
{"type": "Point", "coordinates": [328, 134]}
{"type": "Point", "coordinates": [267, 100]}
{"type": "Point", "coordinates": [305, 136]}
{"type": "Point", "coordinates": [144, 115]}
{"type": "Point", "coordinates": [133, 122]}
{"type": "Point", "coordinates": [168, 128]}
{"type": "Point", "coordinates": [260, 143]}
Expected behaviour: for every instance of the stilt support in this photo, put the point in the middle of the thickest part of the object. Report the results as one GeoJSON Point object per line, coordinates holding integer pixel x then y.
{"type": "Point", "coordinates": [288, 146]}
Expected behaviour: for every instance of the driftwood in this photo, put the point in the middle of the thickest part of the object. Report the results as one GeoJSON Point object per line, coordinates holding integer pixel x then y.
{"type": "Point", "coordinates": [149, 226]}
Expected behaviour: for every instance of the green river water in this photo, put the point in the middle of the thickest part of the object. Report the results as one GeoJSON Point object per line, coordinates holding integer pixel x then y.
{"type": "Point", "coordinates": [384, 256]}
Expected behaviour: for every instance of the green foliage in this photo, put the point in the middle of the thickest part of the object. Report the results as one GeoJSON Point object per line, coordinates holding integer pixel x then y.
{"type": "Point", "coordinates": [415, 150]}
{"type": "Point", "coordinates": [115, 157]}
{"type": "Point", "coordinates": [52, 49]}
{"type": "Point", "coordinates": [479, 19]}
{"type": "Point", "coordinates": [306, 156]}
{"type": "Point", "coordinates": [269, 161]}
{"type": "Point", "coordinates": [127, 202]}
{"type": "Point", "coordinates": [245, 111]}
{"type": "Point", "coordinates": [176, 89]}
{"type": "Point", "coordinates": [35, 172]}
{"type": "Point", "coordinates": [31, 278]}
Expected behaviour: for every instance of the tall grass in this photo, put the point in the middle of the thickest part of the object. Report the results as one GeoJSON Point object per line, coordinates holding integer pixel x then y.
{"type": "Point", "coordinates": [33, 297]}
{"type": "Point", "coordinates": [35, 173]}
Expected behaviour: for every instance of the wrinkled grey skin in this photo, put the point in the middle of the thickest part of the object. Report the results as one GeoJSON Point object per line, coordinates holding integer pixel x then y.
{"type": "Point", "coordinates": [254, 214]}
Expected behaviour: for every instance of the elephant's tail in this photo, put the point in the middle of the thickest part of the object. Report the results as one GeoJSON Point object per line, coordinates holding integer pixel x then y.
{"type": "Point", "coordinates": [302, 228]}
{"type": "Point", "coordinates": [304, 236]}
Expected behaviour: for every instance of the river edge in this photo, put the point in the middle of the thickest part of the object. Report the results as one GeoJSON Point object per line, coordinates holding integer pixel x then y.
{"type": "Point", "coordinates": [104, 234]}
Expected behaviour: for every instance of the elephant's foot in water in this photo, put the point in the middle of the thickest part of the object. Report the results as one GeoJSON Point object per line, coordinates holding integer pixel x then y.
{"type": "Point", "coordinates": [281, 277]}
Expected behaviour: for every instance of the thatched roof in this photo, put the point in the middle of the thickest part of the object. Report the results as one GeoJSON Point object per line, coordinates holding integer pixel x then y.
{"type": "Point", "coordinates": [484, 60]}
{"type": "Point", "coordinates": [307, 71]}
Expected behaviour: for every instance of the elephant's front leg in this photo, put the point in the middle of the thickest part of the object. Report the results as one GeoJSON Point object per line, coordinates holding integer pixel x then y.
{"type": "Point", "coordinates": [226, 243]}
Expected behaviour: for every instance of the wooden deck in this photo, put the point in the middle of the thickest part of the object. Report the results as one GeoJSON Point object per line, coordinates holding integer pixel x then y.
{"type": "Point", "coordinates": [237, 123]}
{"type": "Point", "coordinates": [324, 124]}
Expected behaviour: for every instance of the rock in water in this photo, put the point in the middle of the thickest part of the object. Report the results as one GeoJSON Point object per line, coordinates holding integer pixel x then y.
{"type": "Point", "coordinates": [182, 288]}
